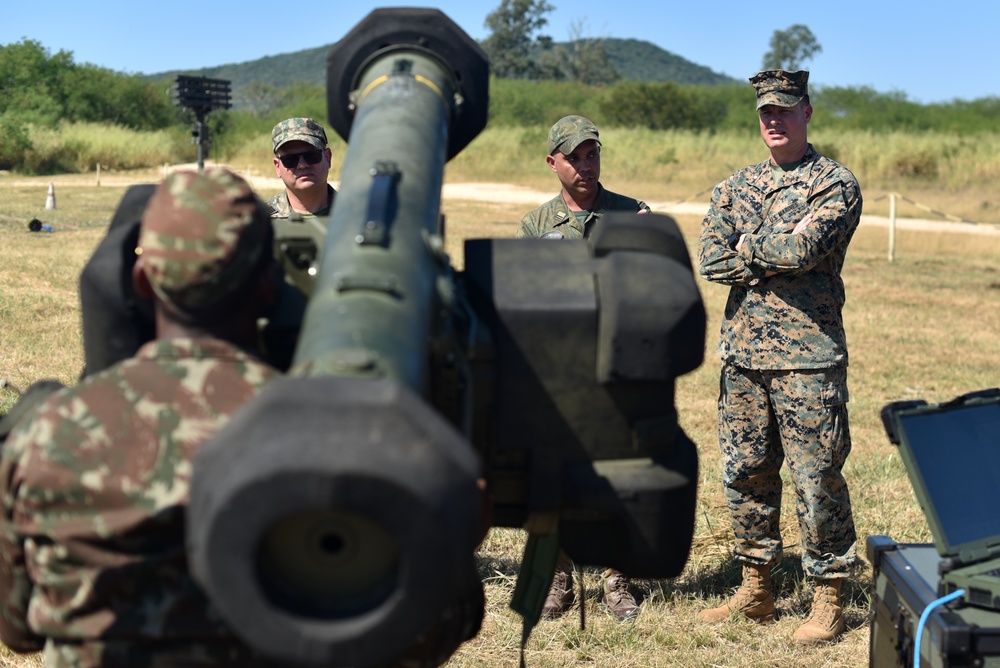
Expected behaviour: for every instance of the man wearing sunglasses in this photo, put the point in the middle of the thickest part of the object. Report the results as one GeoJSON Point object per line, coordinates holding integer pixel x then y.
{"type": "Point", "coordinates": [302, 162]}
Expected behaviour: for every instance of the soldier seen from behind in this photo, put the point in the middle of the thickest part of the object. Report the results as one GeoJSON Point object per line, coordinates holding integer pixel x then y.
{"type": "Point", "coordinates": [574, 154]}
{"type": "Point", "coordinates": [94, 485]}
{"type": "Point", "coordinates": [777, 234]}
{"type": "Point", "coordinates": [302, 162]}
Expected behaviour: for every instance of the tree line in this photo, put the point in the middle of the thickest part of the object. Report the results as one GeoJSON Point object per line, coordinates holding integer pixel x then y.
{"type": "Point", "coordinates": [39, 89]}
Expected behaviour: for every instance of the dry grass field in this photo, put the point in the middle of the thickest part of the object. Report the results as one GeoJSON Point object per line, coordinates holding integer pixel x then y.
{"type": "Point", "coordinates": [924, 326]}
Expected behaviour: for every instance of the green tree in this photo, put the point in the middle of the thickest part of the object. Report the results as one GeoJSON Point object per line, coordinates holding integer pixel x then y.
{"type": "Point", "coordinates": [513, 26]}
{"type": "Point", "coordinates": [581, 59]}
{"type": "Point", "coordinates": [259, 99]}
{"type": "Point", "coordinates": [791, 48]}
{"type": "Point", "coordinates": [44, 89]}
{"type": "Point", "coordinates": [658, 106]}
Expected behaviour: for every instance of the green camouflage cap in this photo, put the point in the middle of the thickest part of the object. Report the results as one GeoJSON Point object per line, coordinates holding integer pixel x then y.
{"type": "Point", "coordinates": [201, 236]}
{"type": "Point", "coordinates": [781, 88]}
{"type": "Point", "coordinates": [298, 129]}
{"type": "Point", "coordinates": [569, 132]}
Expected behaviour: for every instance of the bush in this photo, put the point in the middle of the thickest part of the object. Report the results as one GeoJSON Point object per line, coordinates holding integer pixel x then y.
{"type": "Point", "coordinates": [14, 142]}
{"type": "Point", "coordinates": [658, 106]}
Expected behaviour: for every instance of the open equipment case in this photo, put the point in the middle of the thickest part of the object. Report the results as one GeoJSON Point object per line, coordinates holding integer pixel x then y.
{"type": "Point", "coordinates": [951, 452]}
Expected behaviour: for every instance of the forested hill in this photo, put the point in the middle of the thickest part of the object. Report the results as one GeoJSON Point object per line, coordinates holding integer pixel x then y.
{"type": "Point", "coordinates": [638, 60]}
{"type": "Point", "coordinates": [634, 59]}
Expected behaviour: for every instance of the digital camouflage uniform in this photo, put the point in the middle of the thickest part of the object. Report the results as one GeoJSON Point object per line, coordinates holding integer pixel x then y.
{"type": "Point", "coordinates": [783, 387]}
{"type": "Point", "coordinates": [554, 215]}
{"type": "Point", "coordinates": [94, 485]}
{"type": "Point", "coordinates": [298, 129]}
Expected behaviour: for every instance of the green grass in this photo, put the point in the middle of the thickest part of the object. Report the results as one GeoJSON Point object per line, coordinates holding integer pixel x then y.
{"type": "Point", "coordinates": [923, 326]}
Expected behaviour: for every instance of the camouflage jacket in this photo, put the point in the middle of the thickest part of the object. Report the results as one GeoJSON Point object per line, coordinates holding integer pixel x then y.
{"type": "Point", "coordinates": [791, 320]}
{"type": "Point", "coordinates": [554, 215]}
{"type": "Point", "coordinates": [93, 490]}
{"type": "Point", "coordinates": [280, 207]}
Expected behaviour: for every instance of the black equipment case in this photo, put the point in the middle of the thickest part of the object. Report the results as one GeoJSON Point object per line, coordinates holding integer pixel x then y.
{"type": "Point", "coordinates": [904, 583]}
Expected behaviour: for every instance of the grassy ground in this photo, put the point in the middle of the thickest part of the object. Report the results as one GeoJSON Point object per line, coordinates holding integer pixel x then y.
{"type": "Point", "coordinates": [921, 327]}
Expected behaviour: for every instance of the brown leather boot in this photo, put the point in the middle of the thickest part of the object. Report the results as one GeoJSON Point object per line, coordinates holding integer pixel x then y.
{"type": "Point", "coordinates": [561, 590]}
{"type": "Point", "coordinates": [753, 599]}
{"type": "Point", "coordinates": [618, 596]}
{"type": "Point", "coordinates": [826, 619]}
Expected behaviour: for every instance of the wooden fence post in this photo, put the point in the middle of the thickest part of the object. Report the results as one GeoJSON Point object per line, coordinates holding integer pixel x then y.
{"type": "Point", "coordinates": [892, 227]}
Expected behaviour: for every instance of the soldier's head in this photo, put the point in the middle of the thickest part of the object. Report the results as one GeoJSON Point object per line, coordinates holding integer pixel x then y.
{"type": "Point", "coordinates": [205, 249]}
{"type": "Point", "coordinates": [784, 111]}
{"type": "Point", "coordinates": [301, 155]}
{"type": "Point", "coordinates": [575, 156]}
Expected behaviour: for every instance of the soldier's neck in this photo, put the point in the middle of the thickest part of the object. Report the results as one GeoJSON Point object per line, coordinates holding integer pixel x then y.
{"type": "Point", "coordinates": [580, 204]}
{"type": "Point", "coordinates": [308, 201]}
{"type": "Point", "coordinates": [790, 156]}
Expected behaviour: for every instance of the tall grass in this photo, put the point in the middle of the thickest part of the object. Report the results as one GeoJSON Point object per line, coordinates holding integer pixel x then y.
{"type": "Point", "coordinates": [956, 173]}
{"type": "Point", "coordinates": [78, 147]}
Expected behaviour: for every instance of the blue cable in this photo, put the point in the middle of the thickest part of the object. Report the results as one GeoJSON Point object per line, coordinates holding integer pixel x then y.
{"type": "Point", "coordinates": [923, 620]}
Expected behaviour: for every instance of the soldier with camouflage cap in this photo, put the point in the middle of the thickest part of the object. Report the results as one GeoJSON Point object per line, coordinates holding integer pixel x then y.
{"type": "Point", "coordinates": [302, 162]}
{"type": "Point", "coordinates": [574, 154]}
{"type": "Point", "coordinates": [777, 233]}
{"type": "Point", "coordinates": [93, 486]}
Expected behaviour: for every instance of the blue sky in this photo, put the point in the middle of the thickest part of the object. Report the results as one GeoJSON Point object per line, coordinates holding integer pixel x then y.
{"type": "Point", "coordinates": [933, 52]}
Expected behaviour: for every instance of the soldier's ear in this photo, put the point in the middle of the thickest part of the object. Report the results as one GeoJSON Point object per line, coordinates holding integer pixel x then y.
{"type": "Point", "coordinates": [140, 281]}
{"type": "Point", "coordinates": [551, 161]}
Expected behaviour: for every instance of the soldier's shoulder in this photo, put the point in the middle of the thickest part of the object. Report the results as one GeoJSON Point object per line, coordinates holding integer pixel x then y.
{"type": "Point", "coordinates": [543, 217]}
{"type": "Point", "coordinates": [833, 169]}
{"type": "Point", "coordinates": [745, 175]}
{"type": "Point", "coordinates": [618, 202]}
{"type": "Point", "coordinates": [279, 206]}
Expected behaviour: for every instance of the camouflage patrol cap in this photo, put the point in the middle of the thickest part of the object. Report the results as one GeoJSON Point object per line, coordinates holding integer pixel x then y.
{"type": "Point", "coordinates": [201, 236]}
{"type": "Point", "coordinates": [569, 132]}
{"type": "Point", "coordinates": [781, 88]}
{"type": "Point", "coordinates": [298, 129]}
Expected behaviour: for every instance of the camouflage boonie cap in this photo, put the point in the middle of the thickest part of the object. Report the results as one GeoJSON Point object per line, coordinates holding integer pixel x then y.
{"type": "Point", "coordinates": [298, 129]}
{"type": "Point", "coordinates": [784, 89]}
{"type": "Point", "coordinates": [571, 131]}
{"type": "Point", "coordinates": [201, 236]}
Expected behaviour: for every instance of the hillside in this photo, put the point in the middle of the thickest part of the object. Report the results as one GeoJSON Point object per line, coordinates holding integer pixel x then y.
{"type": "Point", "coordinates": [634, 59]}
{"type": "Point", "coordinates": [638, 60]}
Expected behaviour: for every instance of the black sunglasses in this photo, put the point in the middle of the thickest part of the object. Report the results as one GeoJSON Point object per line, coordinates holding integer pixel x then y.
{"type": "Point", "coordinates": [291, 160]}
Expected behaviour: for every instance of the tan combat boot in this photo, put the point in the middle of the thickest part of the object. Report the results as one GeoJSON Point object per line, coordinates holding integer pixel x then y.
{"type": "Point", "coordinates": [753, 599]}
{"type": "Point", "coordinates": [618, 596]}
{"type": "Point", "coordinates": [561, 590]}
{"type": "Point", "coordinates": [826, 620]}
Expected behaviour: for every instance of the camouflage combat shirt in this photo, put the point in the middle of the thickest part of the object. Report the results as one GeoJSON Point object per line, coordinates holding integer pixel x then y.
{"type": "Point", "coordinates": [791, 320]}
{"type": "Point", "coordinates": [93, 491]}
{"type": "Point", "coordinates": [280, 207]}
{"type": "Point", "coordinates": [554, 215]}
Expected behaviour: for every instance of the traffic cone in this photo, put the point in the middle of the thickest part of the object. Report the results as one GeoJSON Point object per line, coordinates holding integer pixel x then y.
{"type": "Point", "coordinates": [50, 200]}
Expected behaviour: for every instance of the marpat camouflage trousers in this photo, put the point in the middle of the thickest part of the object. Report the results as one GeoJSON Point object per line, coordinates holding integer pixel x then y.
{"type": "Point", "coordinates": [799, 417]}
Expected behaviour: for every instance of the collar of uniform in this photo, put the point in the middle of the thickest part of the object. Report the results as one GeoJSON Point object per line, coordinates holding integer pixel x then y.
{"type": "Point", "coordinates": [761, 179]}
{"type": "Point", "coordinates": [202, 347]}
{"type": "Point", "coordinates": [564, 215]}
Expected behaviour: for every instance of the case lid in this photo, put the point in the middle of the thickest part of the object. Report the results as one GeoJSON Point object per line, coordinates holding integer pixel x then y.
{"type": "Point", "coordinates": [952, 456]}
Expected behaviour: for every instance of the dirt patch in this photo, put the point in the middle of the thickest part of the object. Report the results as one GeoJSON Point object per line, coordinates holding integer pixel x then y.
{"type": "Point", "coordinates": [476, 192]}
